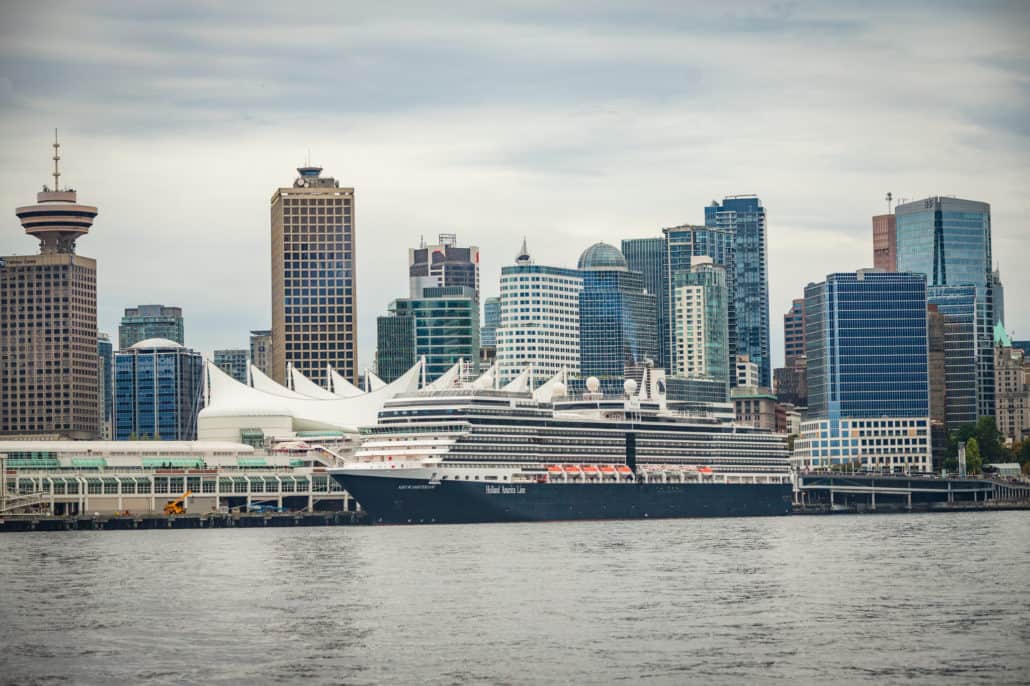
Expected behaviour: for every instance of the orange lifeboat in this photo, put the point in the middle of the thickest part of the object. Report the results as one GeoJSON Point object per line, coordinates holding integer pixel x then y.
{"type": "Point", "coordinates": [553, 469]}
{"type": "Point", "coordinates": [571, 469]}
{"type": "Point", "coordinates": [705, 470]}
{"type": "Point", "coordinates": [589, 469]}
{"type": "Point", "coordinates": [623, 469]}
{"type": "Point", "coordinates": [607, 469]}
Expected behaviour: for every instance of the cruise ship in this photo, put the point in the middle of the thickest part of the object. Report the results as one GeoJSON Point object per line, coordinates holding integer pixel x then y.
{"type": "Point", "coordinates": [470, 453]}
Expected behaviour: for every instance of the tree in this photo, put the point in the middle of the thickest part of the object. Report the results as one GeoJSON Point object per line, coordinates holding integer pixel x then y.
{"type": "Point", "coordinates": [989, 440]}
{"type": "Point", "coordinates": [973, 460]}
{"type": "Point", "coordinates": [1024, 453]}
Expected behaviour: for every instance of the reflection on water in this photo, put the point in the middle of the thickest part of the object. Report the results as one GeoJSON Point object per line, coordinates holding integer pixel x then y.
{"type": "Point", "coordinates": [913, 598]}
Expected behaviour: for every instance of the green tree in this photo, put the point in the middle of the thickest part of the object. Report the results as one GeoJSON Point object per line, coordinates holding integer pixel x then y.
{"type": "Point", "coordinates": [990, 441]}
{"type": "Point", "coordinates": [1024, 453]}
{"type": "Point", "coordinates": [973, 459]}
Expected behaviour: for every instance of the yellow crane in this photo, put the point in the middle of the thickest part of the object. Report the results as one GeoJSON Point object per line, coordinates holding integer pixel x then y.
{"type": "Point", "coordinates": [177, 506]}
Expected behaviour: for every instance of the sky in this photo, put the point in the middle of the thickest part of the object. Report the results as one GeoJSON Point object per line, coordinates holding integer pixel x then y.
{"type": "Point", "coordinates": [565, 123]}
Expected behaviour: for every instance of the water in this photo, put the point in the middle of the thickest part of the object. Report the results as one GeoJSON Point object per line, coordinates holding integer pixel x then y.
{"type": "Point", "coordinates": [902, 598]}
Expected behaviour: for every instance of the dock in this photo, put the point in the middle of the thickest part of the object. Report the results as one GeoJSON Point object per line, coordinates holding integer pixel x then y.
{"type": "Point", "coordinates": [820, 493]}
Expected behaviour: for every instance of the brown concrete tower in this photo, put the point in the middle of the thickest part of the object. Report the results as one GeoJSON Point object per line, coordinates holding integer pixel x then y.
{"type": "Point", "coordinates": [314, 289]}
{"type": "Point", "coordinates": [49, 366]}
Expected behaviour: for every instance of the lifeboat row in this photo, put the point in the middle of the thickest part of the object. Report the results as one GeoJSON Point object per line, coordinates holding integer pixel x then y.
{"type": "Point", "coordinates": [590, 470]}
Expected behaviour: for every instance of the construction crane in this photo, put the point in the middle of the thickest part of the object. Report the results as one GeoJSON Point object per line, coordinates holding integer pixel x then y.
{"type": "Point", "coordinates": [177, 506]}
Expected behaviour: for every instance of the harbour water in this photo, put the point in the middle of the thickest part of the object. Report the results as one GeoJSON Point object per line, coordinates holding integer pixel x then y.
{"type": "Point", "coordinates": [918, 599]}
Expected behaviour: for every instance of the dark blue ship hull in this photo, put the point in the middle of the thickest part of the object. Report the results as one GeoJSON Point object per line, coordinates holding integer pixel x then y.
{"type": "Point", "coordinates": [409, 501]}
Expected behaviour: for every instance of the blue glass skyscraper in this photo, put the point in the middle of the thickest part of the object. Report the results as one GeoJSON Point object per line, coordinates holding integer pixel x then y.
{"type": "Point", "coordinates": [617, 319]}
{"type": "Point", "coordinates": [157, 387]}
{"type": "Point", "coordinates": [865, 340]}
{"type": "Point", "coordinates": [106, 352]}
{"type": "Point", "coordinates": [650, 257]}
{"type": "Point", "coordinates": [744, 217]}
{"type": "Point", "coordinates": [491, 320]}
{"type": "Point", "coordinates": [868, 384]}
{"type": "Point", "coordinates": [949, 240]}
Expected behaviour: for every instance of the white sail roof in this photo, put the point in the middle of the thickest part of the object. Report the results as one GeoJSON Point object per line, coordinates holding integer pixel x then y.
{"type": "Point", "coordinates": [263, 382]}
{"type": "Point", "coordinates": [343, 388]}
{"type": "Point", "coordinates": [545, 392]}
{"type": "Point", "coordinates": [520, 384]}
{"type": "Point", "coordinates": [449, 379]}
{"type": "Point", "coordinates": [373, 382]}
{"type": "Point", "coordinates": [305, 386]}
{"type": "Point", "coordinates": [230, 398]}
{"type": "Point", "coordinates": [486, 380]}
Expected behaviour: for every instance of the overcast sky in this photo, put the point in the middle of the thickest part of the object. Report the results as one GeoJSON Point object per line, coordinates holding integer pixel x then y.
{"type": "Point", "coordinates": [494, 120]}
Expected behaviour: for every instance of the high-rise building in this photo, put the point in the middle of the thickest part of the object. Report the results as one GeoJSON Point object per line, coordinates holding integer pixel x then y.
{"type": "Point", "coordinates": [949, 240]}
{"type": "Point", "coordinates": [491, 320]}
{"type": "Point", "coordinates": [233, 362]}
{"type": "Point", "coordinates": [314, 282]}
{"type": "Point", "coordinates": [746, 372]}
{"type": "Point", "coordinates": [261, 350]}
{"type": "Point", "coordinates": [1013, 389]}
{"type": "Point", "coordinates": [158, 391]}
{"type": "Point", "coordinates": [446, 327]}
{"type": "Point", "coordinates": [794, 332]}
{"type": "Point", "coordinates": [617, 319]}
{"type": "Point", "coordinates": [936, 362]}
{"type": "Point", "coordinates": [701, 323]}
{"type": "Point", "coordinates": [443, 264]}
{"type": "Point", "coordinates": [150, 321]}
{"type": "Point", "coordinates": [682, 244]}
{"type": "Point", "coordinates": [868, 388]}
{"type": "Point", "coordinates": [539, 320]}
{"type": "Point", "coordinates": [49, 366]}
{"type": "Point", "coordinates": [998, 296]}
{"type": "Point", "coordinates": [957, 307]}
{"type": "Point", "coordinates": [650, 257]}
{"type": "Point", "coordinates": [744, 216]}
{"type": "Point", "coordinates": [105, 351]}
{"type": "Point", "coordinates": [395, 336]}
{"type": "Point", "coordinates": [885, 243]}
{"type": "Point", "coordinates": [791, 383]}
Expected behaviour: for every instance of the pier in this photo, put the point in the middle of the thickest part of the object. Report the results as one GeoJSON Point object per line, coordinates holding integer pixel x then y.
{"type": "Point", "coordinates": [829, 492]}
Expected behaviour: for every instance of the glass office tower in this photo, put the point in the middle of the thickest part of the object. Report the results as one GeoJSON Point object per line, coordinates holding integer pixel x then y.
{"type": "Point", "coordinates": [157, 388]}
{"type": "Point", "coordinates": [445, 325]}
{"type": "Point", "coordinates": [617, 319]}
{"type": "Point", "coordinates": [150, 321]}
{"type": "Point", "coordinates": [682, 244]}
{"type": "Point", "coordinates": [233, 362]}
{"type": "Point", "coordinates": [105, 349]}
{"type": "Point", "coordinates": [744, 216]}
{"type": "Point", "coordinates": [491, 320]}
{"type": "Point", "coordinates": [949, 240]}
{"type": "Point", "coordinates": [650, 257]}
{"type": "Point", "coordinates": [701, 324]}
{"type": "Point", "coordinates": [868, 384]}
{"type": "Point", "coordinates": [395, 353]}
{"type": "Point", "coordinates": [956, 306]}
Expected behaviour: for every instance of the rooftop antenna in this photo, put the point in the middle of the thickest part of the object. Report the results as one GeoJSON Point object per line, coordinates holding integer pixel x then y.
{"type": "Point", "coordinates": [890, 198]}
{"type": "Point", "coordinates": [57, 158]}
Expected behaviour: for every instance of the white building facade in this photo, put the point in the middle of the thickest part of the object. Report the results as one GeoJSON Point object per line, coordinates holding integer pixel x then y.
{"type": "Point", "coordinates": [885, 444]}
{"type": "Point", "coordinates": [539, 325]}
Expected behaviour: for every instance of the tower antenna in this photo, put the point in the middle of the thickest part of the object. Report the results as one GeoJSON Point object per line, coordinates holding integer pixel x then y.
{"type": "Point", "coordinates": [57, 158]}
{"type": "Point", "coordinates": [890, 198]}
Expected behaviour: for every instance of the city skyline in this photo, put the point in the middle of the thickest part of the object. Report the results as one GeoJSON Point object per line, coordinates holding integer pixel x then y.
{"type": "Point", "coordinates": [211, 143]}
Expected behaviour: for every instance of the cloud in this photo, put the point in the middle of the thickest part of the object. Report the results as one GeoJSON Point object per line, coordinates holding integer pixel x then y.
{"type": "Point", "coordinates": [569, 125]}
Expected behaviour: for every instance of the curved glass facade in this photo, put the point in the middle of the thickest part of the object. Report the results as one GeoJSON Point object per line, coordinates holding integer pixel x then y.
{"type": "Point", "coordinates": [157, 394]}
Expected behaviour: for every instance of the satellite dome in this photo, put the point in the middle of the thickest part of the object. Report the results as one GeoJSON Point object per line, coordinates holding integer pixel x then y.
{"type": "Point", "coordinates": [155, 343]}
{"type": "Point", "coordinates": [630, 386]}
{"type": "Point", "coordinates": [593, 384]}
{"type": "Point", "coordinates": [558, 391]}
{"type": "Point", "coordinates": [602, 256]}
